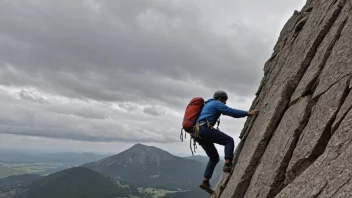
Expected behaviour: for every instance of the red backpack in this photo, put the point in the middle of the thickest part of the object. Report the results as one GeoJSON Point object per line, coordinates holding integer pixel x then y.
{"type": "Point", "coordinates": [192, 112]}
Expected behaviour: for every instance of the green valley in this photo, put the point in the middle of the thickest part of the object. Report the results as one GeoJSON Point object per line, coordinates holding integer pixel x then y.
{"type": "Point", "coordinates": [5, 172]}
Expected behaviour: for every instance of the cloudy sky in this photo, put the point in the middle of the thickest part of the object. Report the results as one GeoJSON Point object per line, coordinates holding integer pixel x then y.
{"type": "Point", "coordinates": [89, 75]}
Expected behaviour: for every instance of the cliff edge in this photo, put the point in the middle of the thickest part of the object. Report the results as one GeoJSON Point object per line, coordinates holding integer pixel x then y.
{"type": "Point", "coordinates": [300, 143]}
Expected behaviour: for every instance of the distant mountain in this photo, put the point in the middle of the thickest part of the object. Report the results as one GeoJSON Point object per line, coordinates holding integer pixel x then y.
{"type": "Point", "coordinates": [18, 179]}
{"type": "Point", "coordinates": [150, 166]}
{"type": "Point", "coordinates": [66, 159]}
{"type": "Point", "coordinates": [78, 182]}
{"type": "Point", "coordinates": [199, 158]}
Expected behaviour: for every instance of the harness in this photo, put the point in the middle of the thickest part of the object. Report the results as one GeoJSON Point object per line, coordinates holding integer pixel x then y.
{"type": "Point", "coordinates": [196, 130]}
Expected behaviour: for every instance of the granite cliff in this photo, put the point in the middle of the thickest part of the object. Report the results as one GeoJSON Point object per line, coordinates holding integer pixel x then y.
{"type": "Point", "coordinates": [300, 145]}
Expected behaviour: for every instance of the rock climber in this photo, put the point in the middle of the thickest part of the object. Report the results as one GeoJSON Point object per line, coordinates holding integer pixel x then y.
{"type": "Point", "coordinates": [206, 135]}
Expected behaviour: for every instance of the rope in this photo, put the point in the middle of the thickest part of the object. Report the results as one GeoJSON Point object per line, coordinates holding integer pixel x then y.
{"type": "Point", "coordinates": [194, 145]}
{"type": "Point", "coordinates": [181, 136]}
{"type": "Point", "coordinates": [190, 145]}
{"type": "Point", "coordinates": [190, 142]}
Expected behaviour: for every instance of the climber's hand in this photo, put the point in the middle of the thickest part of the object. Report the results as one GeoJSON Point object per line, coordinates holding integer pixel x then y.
{"type": "Point", "coordinates": [253, 112]}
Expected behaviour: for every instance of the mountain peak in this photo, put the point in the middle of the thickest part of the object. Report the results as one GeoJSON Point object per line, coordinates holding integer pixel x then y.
{"type": "Point", "coordinates": [141, 164]}
{"type": "Point", "coordinates": [143, 153]}
{"type": "Point", "coordinates": [139, 145]}
{"type": "Point", "coordinates": [142, 146]}
{"type": "Point", "coordinates": [139, 154]}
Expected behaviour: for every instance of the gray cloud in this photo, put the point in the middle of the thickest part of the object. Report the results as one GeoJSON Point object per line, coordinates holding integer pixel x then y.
{"type": "Point", "coordinates": [29, 95]}
{"type": "Point", "coordinates": [153, 111]}
{"type": "Point", "coordinates": [80, 121]}
{"type": "Point", "coordinates": [116, 50]}
{"type": "Point", "coordinates": [112, 70]}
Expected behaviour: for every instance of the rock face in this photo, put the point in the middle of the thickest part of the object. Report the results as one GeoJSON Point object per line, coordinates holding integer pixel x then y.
{"type": "Point", "coordinates": [300, 143]}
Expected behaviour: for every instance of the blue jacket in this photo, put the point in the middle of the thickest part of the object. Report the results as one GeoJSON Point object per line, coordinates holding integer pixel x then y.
{"type": "Point", "coordinates": [213, 109]}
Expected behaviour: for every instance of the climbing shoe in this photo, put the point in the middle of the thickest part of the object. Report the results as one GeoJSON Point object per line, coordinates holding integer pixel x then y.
{"type": "Point", "coordinates": [227, 167]}
{"type": "Point", "coordinates": [206, 186]}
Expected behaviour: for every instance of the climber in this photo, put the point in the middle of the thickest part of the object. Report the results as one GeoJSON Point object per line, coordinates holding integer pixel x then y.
{"type": "Point", "coordinates": [205, 135]}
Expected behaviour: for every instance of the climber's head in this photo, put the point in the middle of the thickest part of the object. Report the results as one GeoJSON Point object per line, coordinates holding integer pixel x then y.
{"type": "Point", "coordinates": [220, 95]}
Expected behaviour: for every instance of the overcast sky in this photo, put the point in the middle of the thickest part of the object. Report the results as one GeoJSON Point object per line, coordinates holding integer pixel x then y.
{"type": "Point", "coordinates": [89, 75]}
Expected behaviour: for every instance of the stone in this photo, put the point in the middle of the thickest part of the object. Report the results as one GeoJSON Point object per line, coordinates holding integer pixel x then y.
{"type": "Point", "coordinates": [266, 181]}
{"type": "Point", "coordinates": [220, 185]}
{"type": "Point", "coordinates": [315, 135]}
{"type": "Point", "coordinates": [339, 63]}
{"type": "Point", "coordinates": [308, 41]}
{"type": "Point", "coordinates": [243, 166]}
{"type": "Point", "coordinates": [309, 78]}
{"type": "Point", "coordinates": [346, 107]}
{"type": "Point", "coordinates": [300, 144]}
{"type": "Point", "coordinates": [226, 176]}
{"type": "Point", "coordinates": [330, 175]}
{"type": "Point", "coordinates": [285, 33]}
{"type": "Point", "coordinates": [288, 67]}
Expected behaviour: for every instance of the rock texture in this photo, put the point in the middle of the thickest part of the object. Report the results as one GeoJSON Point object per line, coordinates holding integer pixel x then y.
{"type": "Point", "coordinates": [300, 143]}
{"type": "Point", "coordinates": [270, 171]}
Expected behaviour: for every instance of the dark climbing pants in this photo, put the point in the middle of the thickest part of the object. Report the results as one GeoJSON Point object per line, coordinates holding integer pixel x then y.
{"type": "Point", "coordinates": [207, 139]}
